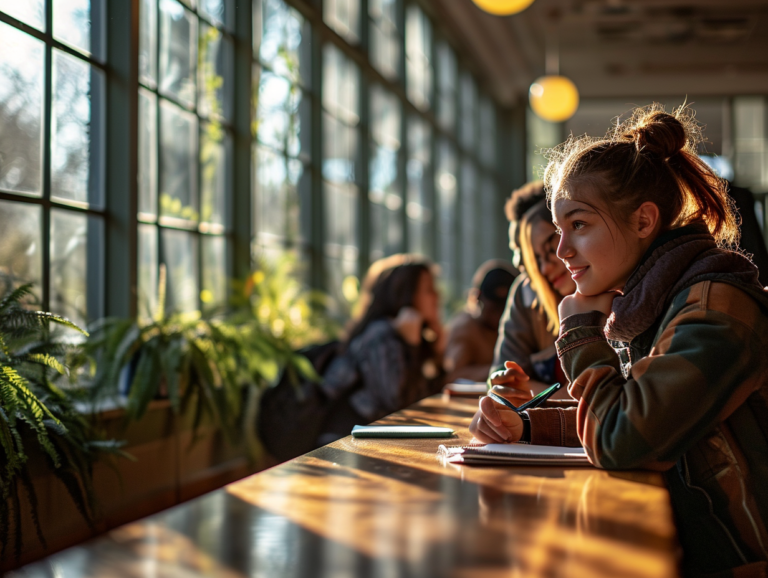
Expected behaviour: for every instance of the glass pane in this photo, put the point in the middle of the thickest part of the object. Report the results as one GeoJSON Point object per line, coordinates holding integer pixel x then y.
{"type": "Point", "coordinates": [445, 185]}
{"type": "Point", "coordinates": [148, 41]}
{"type": "Point", "coordinates": [79, 23]}
{"type": "Point", "coordinates": [488, 132]}
{"type": "Point", "coordinates": [30, 12]}
{"type": "Point", "coordinates": [341, 81]}
{"type": "Point", "coordinates": [220, 11]}
{"type": "Point", "coordinates": [147, 296]}
{"type": "Point", "coordinates": [750, 131]}
{"type": "Point", "coordinates": [277, 183]}
{"type": "Point", "coordinates": [178, 51]}
{"type": "Point", "coordinates": [419, 204]}
{"type": "Point", "coordinates": [281, 109]}
{"type": "Point", "coordinates": [69, 265]}
{"type": "Point", "coordinates": [343, 16]}
{"type": "Point", "coordinates": [180, 258]}
{"type": "Point", "coordinates": [21, 258]}
{"type": "Point", "coordinates": [216, 54]}
{"type": "Point", "coordinates": [214, 291]}
{"type": "Point", "coordinates": [282, 40]}
{"type": "Point", "coordinates": [341, 214]}
{"type": "Point", "coordinates": [468, 110]}
{"type": "Point", "coordinates": [491, 205]}
{"type": "Point", "coordinates": [147, 153]}
{"type": "Point", "coordinates": [21, 111]}
{"type": "Point", "coordinates": [76, 150]}
{"type": "Point", "coordinates": [468, 232]}
{"type": "Point", "coordinates": [447, 79]}
{"type": "Point", "coordinates": [215, 146]}
{"type": "Point", "coordinates": [340, 149]}
{"type": "Point", "coordinates": [385, 41]}
{"type": "Point", "coordinates": [178, 163]}
{"type": "Point", "coordinates": [418, 45]}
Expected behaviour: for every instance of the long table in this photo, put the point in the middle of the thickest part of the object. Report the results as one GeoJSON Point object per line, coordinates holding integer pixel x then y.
{"type": "Point", "coordinates": [390, 508]}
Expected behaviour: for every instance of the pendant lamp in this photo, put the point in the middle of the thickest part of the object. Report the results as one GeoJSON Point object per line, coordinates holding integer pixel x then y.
{"type": "Point", "coordinates": [503, 7]}
{"type": "Point", "coordinates": [553, 97]}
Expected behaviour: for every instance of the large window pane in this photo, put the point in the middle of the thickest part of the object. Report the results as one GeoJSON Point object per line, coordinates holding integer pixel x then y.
{"type": "Point", "coordinates": [21, 111]}
{"type": "Point", "coordinates": [147, 267]}
{"type": "Point", "coordinates": [30, 12]}
{"type": "Point", "coordinates": [277, 184]}
{"type": "Point", "coordinates": [468, 221]}
{"type": "Point", "coordinates": [750, 131]}
{"type": "Point", "coordinates": [79, 23]}
{"type": "Point", "coordinates": [340, 150]}
{"type": "Point", "coordinates": [385, 193]}
{"type": "Point", "coordinates": [180, 258]}
{"type": "Point", "coordinates": [216, 54]}
{"type": "Point", "coordinates": [214, 292]}
{"type": "Point", "coordinates": [178, 51]}
{"type": "Point", "coordinates": [282, 40]}
{"type": "Point", "coordinates": [341, 82]}
{"type": "Point", "coordinates": [446, 187]}
{"type": "Point", "coordinates": [467, 130]}
{"type": "Point", "coordinates": [76, 150]}
{"type": "Point", "coordinates": [447, 77]}
{"type": "Point", "coordinates": [147, 153]}
{"type": "Point", "coordinates": [488, 132]}
{"type": "Point", "coordinates": [69, 265]}
{"type": "Point", "coordinates": [148, 42]}
{"type": "Point", "coordinates": [21, 249]}
{"type": "Point", "coordinates": [491, 206]}
{"type": "Point", "coordinates": [282, 115]}
{"type": "Point", "coordinates": [220, 11]}
{"type": "Point", "coordinates": [385, 37]}
{"type": "Point", "coordinates": [418, 47]}
{"type": "Point", "coordinates": [215, 146]}
{"type": "Point", "coordinates": [419, 207]}
{"type": "Point", "coordinates": [343, 16]}
{"type": "Point", "coordinates": [178, 163]}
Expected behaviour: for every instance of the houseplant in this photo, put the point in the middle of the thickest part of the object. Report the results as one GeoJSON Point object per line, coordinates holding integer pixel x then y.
{"type": "Point", "coordinates": [34, 407]}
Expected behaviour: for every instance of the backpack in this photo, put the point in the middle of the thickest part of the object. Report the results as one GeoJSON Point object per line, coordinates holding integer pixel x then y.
{"type": "Point", "coordinates": [292, 415]}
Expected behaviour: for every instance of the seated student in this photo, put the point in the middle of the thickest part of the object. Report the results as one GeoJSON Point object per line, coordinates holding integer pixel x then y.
{"type": "Point", "coordinates": [529, 328]}
{"type": "Point", "coordinates": [646, 227]}
{"type": "Point", "coordinates": [393, 355]}
{"type": "Point", "coordinates": [472, 333]}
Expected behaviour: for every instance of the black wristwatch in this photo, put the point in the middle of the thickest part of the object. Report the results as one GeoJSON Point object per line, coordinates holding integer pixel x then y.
{"type": "Point", "coordinates": [526, 437]}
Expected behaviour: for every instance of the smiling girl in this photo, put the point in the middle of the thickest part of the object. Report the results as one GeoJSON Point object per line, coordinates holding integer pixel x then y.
{"type": "Point", "coordinates": [682, 386]}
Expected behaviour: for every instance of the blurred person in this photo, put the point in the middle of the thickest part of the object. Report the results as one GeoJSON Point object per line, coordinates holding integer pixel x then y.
{"type": "Point", "coordinates": [472, 333]}
{"type": "Point", "coordinates": [393, 354]}
{"type": "Point", "coordinates": [529, 327]}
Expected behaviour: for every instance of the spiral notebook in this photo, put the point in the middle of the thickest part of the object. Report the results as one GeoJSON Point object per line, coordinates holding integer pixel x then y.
{"type": "Point", "coordinates": [513, 454]}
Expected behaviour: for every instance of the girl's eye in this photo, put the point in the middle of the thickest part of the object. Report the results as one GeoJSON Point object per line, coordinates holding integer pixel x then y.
{"type": "Point", "coordinates": [579, 225]}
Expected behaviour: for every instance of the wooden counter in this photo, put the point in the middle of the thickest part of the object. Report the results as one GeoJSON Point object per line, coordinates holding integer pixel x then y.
{"type": "Point", "coordinates": [389, 508]}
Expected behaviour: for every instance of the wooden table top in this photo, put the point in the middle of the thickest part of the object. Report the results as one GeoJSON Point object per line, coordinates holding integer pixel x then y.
{"type": "Point", "coordinates": [389, 508]}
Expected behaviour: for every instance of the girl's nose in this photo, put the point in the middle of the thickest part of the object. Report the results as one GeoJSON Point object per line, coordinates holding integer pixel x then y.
{"type": "Point", "coordinates": [564, 250]}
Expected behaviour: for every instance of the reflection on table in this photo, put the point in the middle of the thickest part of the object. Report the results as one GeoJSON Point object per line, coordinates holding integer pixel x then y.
{"type": "Point", "coordinates": [390, 508]}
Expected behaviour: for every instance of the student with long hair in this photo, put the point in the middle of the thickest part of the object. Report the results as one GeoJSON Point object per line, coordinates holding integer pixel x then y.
{"type": "Point", "coordinates": [393, 354]}
{"type": "Point", "coordinates": [648, 233]}
{"type": "Point", "coordinates": [529, 328]}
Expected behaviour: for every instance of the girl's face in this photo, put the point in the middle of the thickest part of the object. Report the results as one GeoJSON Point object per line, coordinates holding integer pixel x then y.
{"type": "Point", "coordinates": [599, 255]}
{"type": "Point", "coordinates": [426, 300]}
{"type": "Point", "coordinates": [544, 240]}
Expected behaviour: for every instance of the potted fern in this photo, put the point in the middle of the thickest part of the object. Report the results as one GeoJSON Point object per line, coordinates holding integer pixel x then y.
{"type": "Point", "coordinates": [36, 415]}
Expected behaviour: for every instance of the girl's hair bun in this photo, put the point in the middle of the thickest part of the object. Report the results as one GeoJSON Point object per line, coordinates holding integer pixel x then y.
{"type": "Point", "coordinates": [658, 134]}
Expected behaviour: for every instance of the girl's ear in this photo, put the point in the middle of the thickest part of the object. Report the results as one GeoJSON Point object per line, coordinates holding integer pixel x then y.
{"type": "Point", "coordinates": [646, 219]}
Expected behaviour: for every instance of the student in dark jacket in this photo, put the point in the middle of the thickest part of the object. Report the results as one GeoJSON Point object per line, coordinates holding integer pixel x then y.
{"type": "Point", "coordinates": [682, 386]}
{"type": "Point", "coordinates": [393, 355]}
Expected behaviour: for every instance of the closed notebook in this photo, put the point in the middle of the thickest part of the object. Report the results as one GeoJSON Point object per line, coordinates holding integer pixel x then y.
{"type": "Point", "coordinates": [514, 454]}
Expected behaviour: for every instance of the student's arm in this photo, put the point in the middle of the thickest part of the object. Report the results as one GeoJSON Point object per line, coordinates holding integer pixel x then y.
{"type": "Point", "coordinates": [701, 368]}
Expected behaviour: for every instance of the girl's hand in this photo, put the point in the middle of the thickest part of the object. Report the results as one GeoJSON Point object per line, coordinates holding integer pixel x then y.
{"type": "Point", "coordinates": [511, 383]}
{"type": "Point", "coordinates": [578, 303]}
{"type": "Point", "coordinates": [408, 324]}
{"type": "Point", "coordinates": [494, 423]}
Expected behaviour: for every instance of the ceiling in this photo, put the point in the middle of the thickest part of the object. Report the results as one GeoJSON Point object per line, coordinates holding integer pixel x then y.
{"type": "Point", "coordinates": [637, 49]}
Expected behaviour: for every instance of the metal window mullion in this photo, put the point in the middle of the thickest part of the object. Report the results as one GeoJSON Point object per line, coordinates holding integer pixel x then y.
{"type": "Point", "coordinates": [158, 159]}
{"type": "Point", "coordinates": [47, 159]}
{"type": "Point", "coordinates": [402, 157]}
{"type": "Point", "coordinates": [317, 208]}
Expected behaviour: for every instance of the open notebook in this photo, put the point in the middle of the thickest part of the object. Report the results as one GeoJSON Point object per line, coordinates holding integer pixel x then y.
{"type": "Point", "coordinates": [517, 454]}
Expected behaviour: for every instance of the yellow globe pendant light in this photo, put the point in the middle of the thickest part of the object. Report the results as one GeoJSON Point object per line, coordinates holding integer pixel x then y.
{"type": "Point", "coordinates": [503, 7]}
{"type": "Point", "coordinates": [554, 97]}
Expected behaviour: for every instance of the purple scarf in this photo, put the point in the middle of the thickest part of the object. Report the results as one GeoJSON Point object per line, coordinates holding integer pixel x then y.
{"type": "Point", "coordinates": [676, 260]}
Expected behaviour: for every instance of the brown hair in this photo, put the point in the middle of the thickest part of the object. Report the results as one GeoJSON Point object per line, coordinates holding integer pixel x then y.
{"type": "Point", "coordinates": [548, 299]}
{"type": "Point", "coordinates": [389, 285]}
{"type": "Point", "coordinates": [649, 157]}
{"type": "Point", "coordinates": [519, 202]}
